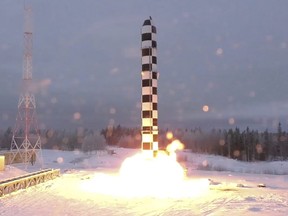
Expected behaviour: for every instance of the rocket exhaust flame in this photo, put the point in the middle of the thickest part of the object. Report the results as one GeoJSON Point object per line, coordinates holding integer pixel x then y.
{"type": "Point", "coordinates": [160, 177]}
{"type": "Point", "coordinates": [156, 170]}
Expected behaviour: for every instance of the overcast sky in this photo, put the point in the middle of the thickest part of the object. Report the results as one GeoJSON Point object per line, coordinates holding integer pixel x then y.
{"type": "Point", "coordinates": [231, 55]}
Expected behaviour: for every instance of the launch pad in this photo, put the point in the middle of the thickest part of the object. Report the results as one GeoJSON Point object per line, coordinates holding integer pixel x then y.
{"type": "Point", "coordinates": [22, 182]}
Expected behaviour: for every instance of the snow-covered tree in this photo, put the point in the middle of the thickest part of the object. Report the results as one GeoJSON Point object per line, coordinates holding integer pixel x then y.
{"type": "Point", "coordinates": [93, 142]}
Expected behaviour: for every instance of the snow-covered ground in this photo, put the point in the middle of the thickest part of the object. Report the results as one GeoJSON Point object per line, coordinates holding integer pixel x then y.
{"type": "Point", "coordinates": [88, 186]}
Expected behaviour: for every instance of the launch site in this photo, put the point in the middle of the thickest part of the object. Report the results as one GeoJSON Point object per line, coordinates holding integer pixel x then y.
{"type": "Point", "coordinates": [143, 107]}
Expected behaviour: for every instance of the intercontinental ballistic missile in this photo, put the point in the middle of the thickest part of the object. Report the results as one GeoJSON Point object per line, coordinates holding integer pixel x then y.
{"type": "Point", "coordinates": [149, 89]}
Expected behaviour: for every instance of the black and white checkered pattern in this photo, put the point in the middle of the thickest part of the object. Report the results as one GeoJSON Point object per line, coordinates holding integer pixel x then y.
{"type": "Point", "coordinates": [149, 87]}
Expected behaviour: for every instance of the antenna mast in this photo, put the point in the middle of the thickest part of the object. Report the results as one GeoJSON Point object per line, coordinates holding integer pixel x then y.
{"type": "Point", "coordinates": [26, 142]}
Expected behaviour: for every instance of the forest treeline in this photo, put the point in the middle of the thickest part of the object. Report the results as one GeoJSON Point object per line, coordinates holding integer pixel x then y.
{"type": "Point", "coordinates": [246, 145]}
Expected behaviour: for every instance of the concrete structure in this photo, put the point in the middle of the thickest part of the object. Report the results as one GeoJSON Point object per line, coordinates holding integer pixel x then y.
{"type": "Point", "coordinates": [22, 182]}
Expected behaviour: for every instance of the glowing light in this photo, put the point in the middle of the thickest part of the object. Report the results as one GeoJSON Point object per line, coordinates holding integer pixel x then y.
{"type": "Point", "coordinates": [150, 178]}
{"type": "Point", "coordinates": [259, 148]}
{"type": "Point", "coordinates": [77, 116]}
{"type": "Point", "coordinates": [236, 153]}
{"type": "Point", "coordinates": [171, 148]}
{"type": "Point", "coordinates": [231, 121]}
{"type": "Point", "coordinates": [222, 142]}
{"type": "Point", "coordinates": [205, 108]}
{"type": "Point", "coordinates": [116, 186]}
{"type": "Point", "coordinates": [141, 175]}
{"type": "Point", "coordinates": [45, 83]}
{"type": "Point", "coordinates": [151, 175]}
{"type": "Point", "coordinates": [60, 160]}
{"type": "Point", "coordinates": [205, 163]}
{"type": "Point", "coordinates": [50, 133]}
{"type": "Point", "coordinates": [169, 135]}
{"type": "Point", "coordinates": [219, 52]}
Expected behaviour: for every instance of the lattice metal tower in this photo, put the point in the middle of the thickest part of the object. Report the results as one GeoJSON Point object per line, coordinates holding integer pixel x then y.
{"type": "Point", "coordinates": [26, 142]}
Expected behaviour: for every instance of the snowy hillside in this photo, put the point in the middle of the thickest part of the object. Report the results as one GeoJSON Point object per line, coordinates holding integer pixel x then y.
{"type": "Point", "coordinates": [89, 185]}
{"type": "Point", "coordinates": [218, 163]}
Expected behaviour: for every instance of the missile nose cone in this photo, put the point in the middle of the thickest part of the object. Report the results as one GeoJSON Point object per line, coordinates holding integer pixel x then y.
{"type": "Point", "coordinates": [148, 21]}
{"type": "Point", "coordinates": [148, 26]}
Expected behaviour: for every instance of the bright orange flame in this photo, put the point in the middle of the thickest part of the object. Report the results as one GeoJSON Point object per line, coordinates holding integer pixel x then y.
{"type": "Point", "coordinates": [169, 135]}
{"type": "Point", "coordinates": [172, 147]}
{"type": "Point", "coordinates": [154, 176]}
{"type": "Point", "coordinates": [141, 175]}
{"type": "Point", "coordinates": [149, 174]}
{"type": "Point", "coordinates": [205, 108]}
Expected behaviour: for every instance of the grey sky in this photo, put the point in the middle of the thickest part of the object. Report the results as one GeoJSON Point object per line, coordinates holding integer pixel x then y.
{"type": "Point", "coordinates": [229, 54]}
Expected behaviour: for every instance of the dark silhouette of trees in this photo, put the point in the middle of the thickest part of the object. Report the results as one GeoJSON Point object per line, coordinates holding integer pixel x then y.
{"type": "Point", "coordinates": [246, 145]}
{"type": "Point", "coordinates": [5, 138]}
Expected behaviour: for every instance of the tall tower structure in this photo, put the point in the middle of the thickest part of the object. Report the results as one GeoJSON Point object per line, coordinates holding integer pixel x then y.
{"type": "Point", "coordinates": [26, 142]}
{"type": "Point", "coordinates": [149, 89]}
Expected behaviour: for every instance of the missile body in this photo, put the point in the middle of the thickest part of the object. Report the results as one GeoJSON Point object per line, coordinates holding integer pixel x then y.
{"type": "Point", "coordinates": [149, 89]}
